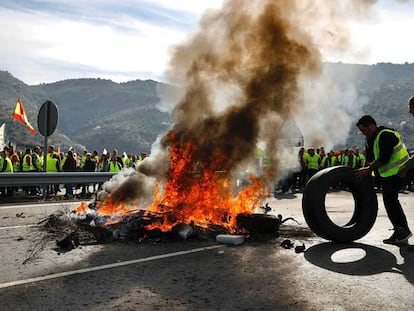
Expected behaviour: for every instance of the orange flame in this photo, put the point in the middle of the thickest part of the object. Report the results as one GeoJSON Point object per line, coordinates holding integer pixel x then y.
{"type": "Point", "coordinates": [81, 209]}
{"type": "Point", "coordinates": [114, 212]}
{"type": "Point", "coordinates": [202, 193]}
{"type": "Point", "coordinates": [198, 192]}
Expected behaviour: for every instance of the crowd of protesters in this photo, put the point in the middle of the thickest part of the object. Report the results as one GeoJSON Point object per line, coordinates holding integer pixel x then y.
{"type": "Point", "coordinates": [32, 160]}
{"type": "Point", "coordinates": [313, 160]}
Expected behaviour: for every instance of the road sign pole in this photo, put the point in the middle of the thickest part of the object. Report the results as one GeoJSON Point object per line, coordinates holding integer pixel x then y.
{"type": "Point", "coordinates": [45, 146]}
{"type": "Point", "coordinates": [46, 123]}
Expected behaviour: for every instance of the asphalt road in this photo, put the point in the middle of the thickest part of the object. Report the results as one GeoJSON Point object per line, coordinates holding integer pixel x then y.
{"type": "Point", "coordinates": [202, 275]}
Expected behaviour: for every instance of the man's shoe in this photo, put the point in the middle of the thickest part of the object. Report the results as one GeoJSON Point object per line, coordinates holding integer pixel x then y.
{"type": "Point", "coordinates": [391, 239]}
{"type": "Point", "coordinates": [403, 235]}
{"type": "Point", "coordinates": [400, 236]}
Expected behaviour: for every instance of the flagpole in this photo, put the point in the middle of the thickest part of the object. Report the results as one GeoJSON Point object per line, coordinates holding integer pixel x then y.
{"type": "Point", "coordinates": [13, 128]}
{"type": "Point", "coordinates": [45, 136]}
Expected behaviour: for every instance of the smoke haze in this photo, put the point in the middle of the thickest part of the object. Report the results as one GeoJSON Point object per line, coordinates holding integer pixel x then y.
{"type": "Point", "coordinates": [249, 67]}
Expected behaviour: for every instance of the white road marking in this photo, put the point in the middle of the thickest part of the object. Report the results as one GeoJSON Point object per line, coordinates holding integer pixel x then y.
{"type": "Point", "coordinates": [103, 267]}
{"type": "Point", "coordinates": [41, 204]}
{"type": "Point", "coordinates": [18, 227]}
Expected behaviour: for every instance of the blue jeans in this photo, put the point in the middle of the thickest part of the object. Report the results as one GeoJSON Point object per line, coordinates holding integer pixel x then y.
{"type": "Point", "coordinates": [69, 189]}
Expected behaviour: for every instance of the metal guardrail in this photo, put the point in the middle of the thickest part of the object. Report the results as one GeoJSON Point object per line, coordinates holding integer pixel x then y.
{"type": "Point", "coordinates": [41, 178]}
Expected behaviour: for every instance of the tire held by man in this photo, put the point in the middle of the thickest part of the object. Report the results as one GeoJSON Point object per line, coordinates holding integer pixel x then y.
{"type": "Point", "coordinates": [314, 210]}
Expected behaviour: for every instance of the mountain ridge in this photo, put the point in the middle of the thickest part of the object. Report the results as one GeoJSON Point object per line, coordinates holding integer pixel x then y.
{"type": "Point", "coordinates": [97, 114]}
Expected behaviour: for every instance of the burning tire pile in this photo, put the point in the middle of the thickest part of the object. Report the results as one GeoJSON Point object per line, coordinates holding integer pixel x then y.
{"type": "Point", "coordinates": [85, 225]}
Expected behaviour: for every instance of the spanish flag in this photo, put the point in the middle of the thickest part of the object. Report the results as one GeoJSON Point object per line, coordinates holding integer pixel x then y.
{"type": "Point", "coordinates": [20, 115]}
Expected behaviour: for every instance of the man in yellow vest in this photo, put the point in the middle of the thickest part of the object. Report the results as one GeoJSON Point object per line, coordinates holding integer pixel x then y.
{"type": "Point", "coordinates": [82, 160]}
{"type": "Point", "coordinates": [313, 162]}
{"type": "Point", "coordinates": [52, 166]}
{"type": "Point", "coordinates": [387, 154]}
{"type": "Point", "coordinates": [333, 160]}
{"type": "Point", "coordinates": [114, 165]}
{"type": "Point", "coordinates": [324, 159]}
{"type": "Point", "coordinates": [36, 165]}
{"type": "Point", "coordinates": [6, 167]}
{"type": "Point", "coordinates": [37, 160]}
{"type": "Point", "coordinates": [358, 160]}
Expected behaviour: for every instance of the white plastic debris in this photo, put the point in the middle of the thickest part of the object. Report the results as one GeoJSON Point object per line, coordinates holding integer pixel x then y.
{"type": "Point", "coordinates": [230, 239]}
{"type": "Point", "coordinates": [183, 230]}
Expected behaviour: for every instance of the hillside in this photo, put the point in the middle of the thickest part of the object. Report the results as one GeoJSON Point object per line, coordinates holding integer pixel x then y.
{"type": "Point", "coordinates": [17, 133]}
{"type": "Point", "coordinates": [109, 115]}
{"type": "Point", "coordinates": [94, 113]}
{"type": "Point", "coordinates": [386, 88]}
{"type": "Point", "coordinates": [97, 114]}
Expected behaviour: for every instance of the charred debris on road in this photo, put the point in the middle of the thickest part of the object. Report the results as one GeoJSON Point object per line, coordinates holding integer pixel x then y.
{"type": "Point", "coordinates": [71, 229]}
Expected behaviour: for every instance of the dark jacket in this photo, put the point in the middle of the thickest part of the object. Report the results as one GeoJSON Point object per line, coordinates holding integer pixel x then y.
{"type": "Point", "coordinates": [89, 166]}
{"type": "Point", "coordinates": [69, 165]}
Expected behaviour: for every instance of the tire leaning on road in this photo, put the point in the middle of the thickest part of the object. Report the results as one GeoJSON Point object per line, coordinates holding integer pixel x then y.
{"type": "Point", "coordinates": [365, 208]}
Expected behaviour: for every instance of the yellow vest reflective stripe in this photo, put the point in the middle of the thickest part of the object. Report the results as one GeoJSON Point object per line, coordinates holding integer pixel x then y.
{"type": "Point", "coordinates": [398, 158]}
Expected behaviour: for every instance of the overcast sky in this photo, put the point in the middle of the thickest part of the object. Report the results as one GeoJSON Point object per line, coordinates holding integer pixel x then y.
{"type": "Point", "coordinates": [52, 40]}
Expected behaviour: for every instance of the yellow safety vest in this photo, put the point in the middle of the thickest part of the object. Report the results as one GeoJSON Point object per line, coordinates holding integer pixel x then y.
{"type": "Point", "coordinates": [334, 159]}
{"type": "Point", "coordinates": [362, 160]}
{"type": "Point", "coordinates": [62, 162]}
{"type": "Point", "coordinates": [398, 158]}
{"type": "Point", "coordinates": [323, 161]}
{"type": "Point", "coordinates": [82, 161]}
{"type": "Point", "coordinates": [9, 165]}
{"type": "Point", "coordinates": [26, 167]}
{"type": "Point", "coordinates": [114, 166]}
{"type": "Point", "coordinates": [16, 165]}
{"type": "Point", "coordinates": [51, 164]}
{"type": "Point", "coordinates": [38, 161]}
{"type": "Point", "coordinates": [313, 161]}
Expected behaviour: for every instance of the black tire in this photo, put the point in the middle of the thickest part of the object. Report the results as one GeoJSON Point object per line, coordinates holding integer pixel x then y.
{"type": "Point", "coordinates": [313, 204]}
{"type": "Point", "coordinates": [258, 223]}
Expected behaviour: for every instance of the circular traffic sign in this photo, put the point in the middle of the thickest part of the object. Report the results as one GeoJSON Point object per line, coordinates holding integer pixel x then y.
{"type": "Point", "coordinates": [47, 118]}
